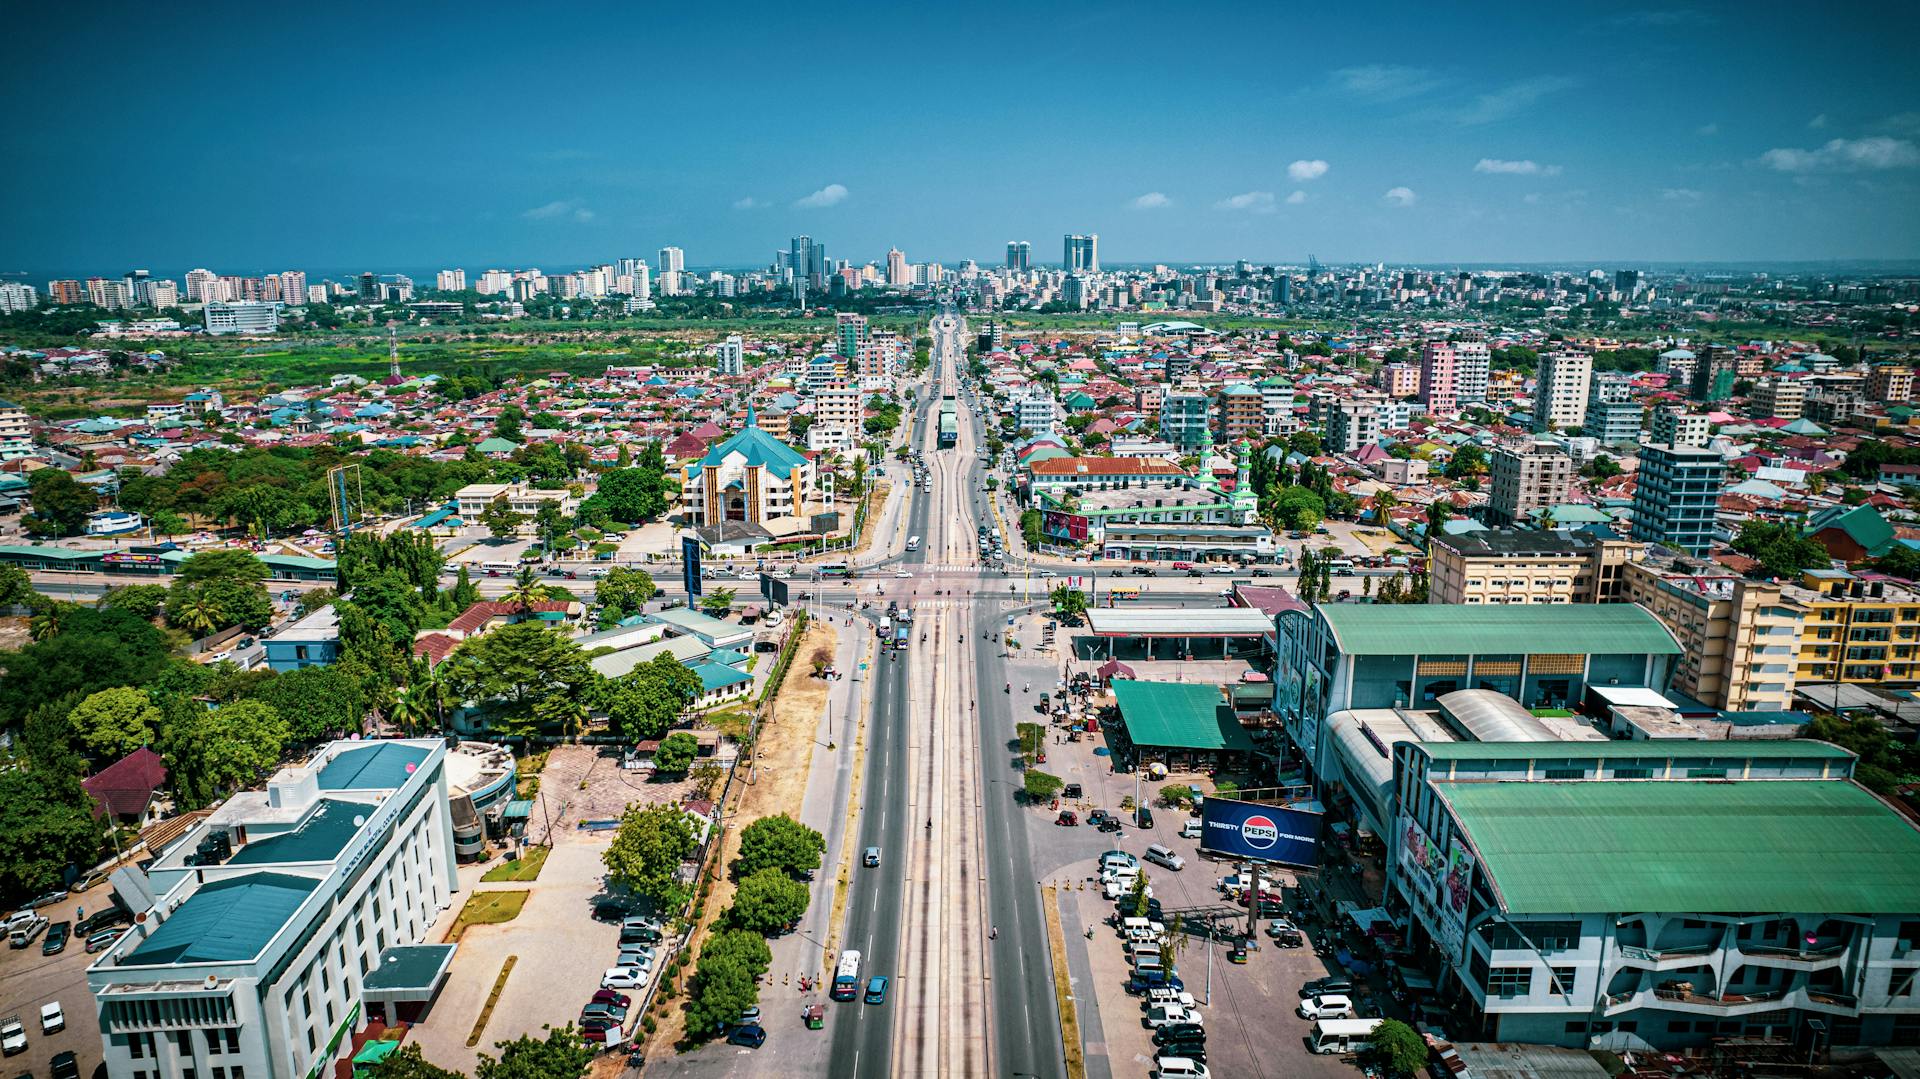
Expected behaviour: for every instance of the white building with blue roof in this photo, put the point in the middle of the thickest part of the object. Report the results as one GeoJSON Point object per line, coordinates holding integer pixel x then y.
{"type": "Point", "coordinates": [752, 477]}
{"type": "Point", "coordinates": [264, 938]}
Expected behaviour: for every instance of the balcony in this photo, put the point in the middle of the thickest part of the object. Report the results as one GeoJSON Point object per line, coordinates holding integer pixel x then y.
{"type": "Point", "coordinates": [1680, 996]}
{"type": "Point", "coordinates": [1792, 957]}
{"type": "Point", "coordinates": [1658, 958]}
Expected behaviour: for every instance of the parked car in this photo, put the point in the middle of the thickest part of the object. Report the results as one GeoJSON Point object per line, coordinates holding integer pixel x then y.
{"type": "Point", "coordinates": [752, 1037]}
{"type": "Point", "coordinates": [623, 978]}
{"type": "Point", "coordinates": [64, 1066]}
{"type": "Point", "coordinates": [52, 1019]}
{"type": "Point", "coordinates": [609, 996]}
{"type": "Point", "coordinates": [1179, 1032]}
{"type": "Point", "coordinates": [1166, 1015]}
{"type": "Point", "coordinates": [106, 919]}
{"type": "Point", "coordinates": [58, 934]}
{"type": "Point", "coordinates": [101, 941]}
{"type": "Point", "coordinates": [1332, 983]}
{"type": "Point", "coordinates": [1067, 817]}
{"type": "Point", "coordinates": [13, 1036]}
{"type": "Point", "coordinates": [1143, 817]}
{"type": "Point", "coordinates": [1072, 792]}
{"type": "Point", "coordinates": [1327, 1006]}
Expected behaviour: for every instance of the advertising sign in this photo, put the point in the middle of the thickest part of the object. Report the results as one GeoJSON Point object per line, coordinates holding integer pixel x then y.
{"type": "Point", "coordinates": [1421, 863]}
{"type": "Point", "coordinates": [1259, 833]}
{"type": "Point", "coordinates": [1062, 525]}
{"type": "Point", "coordinates": [773, 588]}
{"type": "Point", "coordinates": [690, 566]}
{"type": "Point", "coordinates": [1452, 901]}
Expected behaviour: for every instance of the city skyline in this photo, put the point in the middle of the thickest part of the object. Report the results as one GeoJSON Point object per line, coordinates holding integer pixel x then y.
{"type": "Point", "coordinates": [1512, 138]}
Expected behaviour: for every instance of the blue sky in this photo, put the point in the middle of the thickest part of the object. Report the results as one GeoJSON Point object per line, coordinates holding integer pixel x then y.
{"type": "Point", "coordinates": [342, 136]}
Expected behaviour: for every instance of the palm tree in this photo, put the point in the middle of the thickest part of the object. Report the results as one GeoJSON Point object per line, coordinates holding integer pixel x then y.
{"type": "Point", "coordinates": [410, 708]}
{"type": "Point", "coordinates": [45, 625]}
{"type": "Point", "coordinates": [200, 615]}
{"type": "Point", "coordinates": [526, 590]}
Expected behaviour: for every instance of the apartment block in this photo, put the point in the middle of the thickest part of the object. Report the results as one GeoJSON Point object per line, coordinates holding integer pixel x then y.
{"type": "Point", "coordinates": [1398, 379]}
{"type": "Point", "coordinates": [1242, 412]}
{"type": "Point", "coordinates": [1676, 496]}
{"type": "Point", "coordinates": [1777, 398]}
{"type": "Point", "coordinates": [1472, 368]}
{"type": "Point", "coordinates": [1856, 629]}
{"type": "Point", "coordinates": [1560, 396]}
{"type": "Point", "coordinates": [1351, 424]}
{"type": "Point", "coordinates": [1513, 565]}
{"type": "Point", "coordinates": [1183, 419]}
{"type": "Point", "coordinates": [1526, 479]}
{"type": "Point", "coordinates": [1890, 383]}
{"type": "Point", "coordinates": [1739, 638]}
{"type": "Point", "coordinates": [1439, 390]}
{"type": "Point", "coordinates": [1672, 427]}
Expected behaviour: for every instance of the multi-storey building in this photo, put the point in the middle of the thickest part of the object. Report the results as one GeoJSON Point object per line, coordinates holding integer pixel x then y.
{"type": "Point", "coordinates": [450, 280]}
{"type": "Point", "coordinates": [1019, 256]}
{"type": "Point", "coordinates": [1514, 565]}
{"type": "Point", "coordinates": [1673, 427]}
{"type": "Point", "coordinates": [1472, 368]}
{"type": "Point", "coordinates": [1242, 412]}
{"type": "Point", "coordinates": [204, 285]}
{"type": "Point", "coordinates": [66, 291]}
{"type": "Point", "coordinates": [899, 274]}
{"type": "Point", "coordinates": [751, 477]}
{"type": "Point", "coordinates": [17, 297]}
{"type": "Point", "coordinates": [1439, 388]}
{"type": "Point", "coordinates": [109, 294]}
{"type": "Point", "coordinates": [285, 920]}
{"type": "Point", "coordinates": [1398, 379]}
{"type": "Point", "coordinates": [1035, 411]}
{"type": "Point", "coordinates": [1738, 636]}
{"type": "Point", "coordinates": [1081, 254]}
{"type": "Point", "coordinates": [1715, 371]}
{"type": "Point", "coordinates": [16, 432]}
{"type": "Point", "coordinates": [1352, 422]}
{"type": "Point", "coordinates": [1890, 383]}
{"type": "Point", "coordinates": [163, 293]}
{"type": "Point", "coordinates": [1560, 395]}
{"type": "Point", "coordinates": [1676, 496]}
{"type": "Point", "coordinates": [241, 316]}
{"type": "Point", "coordinates": [1526, 479]}
{"type": "Point", "coordinates": [1856, 629]}
{"type": "Point", "coordinates": [730, 356]}
{"type": "Point", "coordinates": [522, 498]}
{"type": "Point", "coordinates": [1183, 420]}
{"type": "Point", "coordinates": [838, 412]}
{"type": "Point", "coordinates": [1613, 416]}
{"type": "Point", "coordinates": [849, 330]}
{"type": "Point", "coordinates": [1777, 398]}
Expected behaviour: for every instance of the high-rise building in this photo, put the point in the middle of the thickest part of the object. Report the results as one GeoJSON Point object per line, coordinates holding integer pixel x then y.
{"type": "Point", "coordinates": [1676, 496]}
{"type": "Point", "coordinates": [1737, 636]}
{"type": "Point", "coordinates": [1076, 292]}
{"type": "Point", "coordinates": [672, 260]}
{"type": "Point", "coordinates": [1472, 368]}
{"type": "Point", "coordinates": [849, 330]}
{"type": "Point", "coordinates": [17, 297]}
{"type": "Point", "coordinates": [899, 274]}
{"type": "Point", "coordinates": [293, 287]}
{"type": "Point", "coordinates": [1560, 395]}
{"type": "Point", "coordinates": [1890, 383]}
{"type": "Point", "coordinates": [1353, 423]}
{"type": "Point", "coordinates": [1439, 387]}
{"type": "Point", "coordinates": [1672, 427]}
{"type": "Point", "coordinates": [1019, 256]}
{"type": "Point", "coordinates": [450, 281]}
{"type": "Point", "coordinates": [1626, 283]}
{"type": "Point", "coordinates": [730, 356]}
{"type": "Point", "coordinates": [1613, 416]}
{"type": "Point", "coordinates": [112, 295]}
{"type": "Point", "coordinates": [493, 282]}
{"type": "Point", "coordinates": [66, 291]}
{"type": "Point", "coordinates": [162, 293]}
{"type": "Point", "coordinates": [204, 285]}
{"type": "Point", "coordinates": [1715, 370]}
{"type": "Point", "coordinates": [1081, 254]}
{"type": "Point", "coordinates": [1525, 480]}
{"type": "Point", "coordinates": [1183, 420]}
{"type": "Point", "coordinates": [1777, 398]}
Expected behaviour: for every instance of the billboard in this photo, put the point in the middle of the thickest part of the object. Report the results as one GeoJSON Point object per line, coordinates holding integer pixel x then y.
{"type": "Point", "coordinates": [1259, 833]}
{"type": "Point", "coordinates": [690, 566]}
{"type": "Point", "coordinates": [1454, 889]}
{"type": "Point", "coordinates": [1061, 525]}
{"type": "Point", "coordinates": [774, 589]}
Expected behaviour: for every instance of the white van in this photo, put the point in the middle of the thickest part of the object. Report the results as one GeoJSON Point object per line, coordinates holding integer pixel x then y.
{"type": "Point", "coordinates": [913, 543]}
{"type": "Point", "coordinates": [1143, 949]}
{"type": "Point", "coordinates": [1163, 856]}
{"type": "Point", "coordinates": [1179, 1068]}
{"type": "Point", "coordinates": [1344, 1035]}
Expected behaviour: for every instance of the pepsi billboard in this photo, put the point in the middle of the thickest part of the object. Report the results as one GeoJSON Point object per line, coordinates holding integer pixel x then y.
{"type": "Point", "coordinates": [1259, 833]}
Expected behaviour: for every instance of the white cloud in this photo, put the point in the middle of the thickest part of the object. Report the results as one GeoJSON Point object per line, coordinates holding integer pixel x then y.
{"type": "Point", "coordinates": [830, 195]}
{"type": "Point", "coordinates": [1152, 200]}
{"type": "Point", "coordinates": [559, 209]}
{"type": "Point", "coordinates": [1681, 194]}
{"type": "Point", "coordinates": [1296, 198]}
{"type": "Point", "coordinates": [1522, 167]}
{"type": "Point", "coordinates": [1510, 100]}
{"type": "Point", "coordinates": [1400, 196]}
{"type": "Point", "coordinates": [1818, 122]}
{"type": "Point", "coordinates": [1385, 82]}
{"type": "Point", "coordinates": [748, 202]}
{"type": "Point", "coordinates": [1253, 202]}
{"type": "Point", "coordinates": [1708, 130]}
{"type": "Point", "coordinates": [1302, 171]}
{"type": "Point", "coordinates": [1874, 152]}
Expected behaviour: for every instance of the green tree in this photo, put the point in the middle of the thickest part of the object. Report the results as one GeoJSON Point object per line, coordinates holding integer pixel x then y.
{"type": "Point", "coordinates": [768, 901]}
{"type": "Point", "coordinates": [1030, 528]}
{"type": "Point", "coordinates": [717, 602]}
{"type": "Point", "coordinates": [647, 851]}
{"type": "Point", "coordinates": [778, 842]}
{"type": "Point", "coordinates": [1399, 1048]}
{"type": "Point", "coordinates": [1901, 561]}
{"type": "Point", "coordinates": [1884, 764]}
{"type": "Point", "coordinates": [509, 671]}
{"type": "Point", "coordinates": [676, 753]}
{"type": "Point", "coordinates": [623, 592]}
{"type": "Point", "coordinates": [140, 600]}
{"type": "Point", "coordinates": [1468, 460]}
{"type": "Point", "coordinates": [1602, 467]}
{"type": "Point", "coordinates": [500, 520]}
{"type": "Point", "coordinates": [559, 1055]}
{"type": "Point", "coordinates": [644, 703]}
{"type": "Point", "coordinates": [95, 650]}
{"type": "Point", "coordinates": [723, 982]}
{"type": "Point", "coordinates": [16, 589]}
{"type": "Point", "coordinates": [1298, 508]}
{"type": "Point", "coordinates": [1068, 603]}
{"type": "Point", "coordinates": [464, 593]}
{"type": "Point", "coordinates": [316, 702]}
{"type": "Point", "coordinates": [1041, 786]}
{"type": "Point", "coordinates": [628, 495]}
{"type": "Point", "coordinates": [50, 825]}
{"type": "Point", "coordinates": [211, 752]}
{"type": "Point", "coordinates": [1779, 547]}
{"type": "Point", "coordinates": [224, 587]}
{"type": "Point", "coordinates": [408, 1063]}
{"type": "Point", "coordinates": [114, 722]}
{"type": "Point", "coordinates": [527, 591]}
{"type": "Point", "coordinates": [60, 502]}
{"type": "Point", "coordinates": [1134, 905]}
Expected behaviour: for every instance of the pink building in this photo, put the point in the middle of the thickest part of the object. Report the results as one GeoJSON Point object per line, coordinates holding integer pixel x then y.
{"type": "Point", "coordinates": [1438, 379]}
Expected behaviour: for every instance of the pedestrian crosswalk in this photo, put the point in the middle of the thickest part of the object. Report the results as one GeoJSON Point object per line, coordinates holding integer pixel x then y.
{"type": "Point", "coordinates": [945, 567]}
{"type": "Point", "coordinates": [940, 604]}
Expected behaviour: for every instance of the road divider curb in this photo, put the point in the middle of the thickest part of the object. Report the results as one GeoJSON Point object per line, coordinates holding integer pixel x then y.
{"type": "Point", "coordinates": [1063, 985]}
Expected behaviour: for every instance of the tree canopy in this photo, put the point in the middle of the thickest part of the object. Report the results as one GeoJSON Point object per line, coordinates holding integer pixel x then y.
{"type": "Point", "coordinates": [647, 851]}
{"type": "Point", "coordinates": [114, 722]}
{"type": "Point", "coordinates": [512, 669]}
{"type": "Point", "coordinates": [778, 842]}
{"type": "Point", "coordinates": [768, 901]}
{"type": "Point", "coordinates": [1779, 547]}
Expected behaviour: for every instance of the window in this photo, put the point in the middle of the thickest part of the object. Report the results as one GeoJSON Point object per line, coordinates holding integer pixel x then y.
{"type": "Point", "coordinates": [1510, 981]}
{"type": "Point", "coordinates": [1706, 773]}
{"type": "Point", "coordinates": [1562, 979]}
{"type": "Point", "coordinates": [1566, 773]}
{"type": "Point", "coordinates": [1578, 1026]}
{"type": "Point", "coordinates": [140, 1046]}
{"type": "Point", "coordinates": [1633, 773]}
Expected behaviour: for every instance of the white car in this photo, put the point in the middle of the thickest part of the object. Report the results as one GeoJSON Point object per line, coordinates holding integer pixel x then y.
{"type": "Point", "coordinates": [13, 1036]}
{"type": "Point", "coordinates": [1118, 887]}
{"type": "Point", "coordinates": [1166, 1015]}
{"type": "Point", "coordinates": [1331, 1006]}
{"type": "Point", "coordinates": [623, 978]}
{"type": "Point", "coordinates": [1164, 996]}
{"type": "Point", "coordinates": [52, 1019]}
{"type": "Point", "coordinates": [903, 573]}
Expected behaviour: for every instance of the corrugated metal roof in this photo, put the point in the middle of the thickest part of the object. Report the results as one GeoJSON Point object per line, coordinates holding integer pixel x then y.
{"type": "Point", "coordinates": [383, 766]}
{"type": "Point", "coordinates": [1755, 749]}
{"type": "Point", "coordinates": [1396, 629]}
{"type": "Point", "coordinates": [1178, 622]}
{"type": "Point", "coordinates": [226, 921]}
{"type": "Point", "coordinates": [1179, 715]}
{"type": "Point", "coordinates": [1493, 717]}
{"type": "Point", "coordinates": [1690, 846]}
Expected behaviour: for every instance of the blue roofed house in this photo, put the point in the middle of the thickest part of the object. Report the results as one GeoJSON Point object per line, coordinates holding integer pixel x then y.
{"type": "Point", "coordinates": [752, 477]}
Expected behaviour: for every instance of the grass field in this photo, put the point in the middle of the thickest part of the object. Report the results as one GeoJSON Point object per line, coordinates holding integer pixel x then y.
{"type": "Point", "coordinates": [488, 908]}
{"type": "Point", "coordinates": [520, 870]}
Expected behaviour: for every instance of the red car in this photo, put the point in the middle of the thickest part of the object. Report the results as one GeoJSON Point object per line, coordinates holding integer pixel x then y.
{"type": "Point", "coordinates": [1067, 817]}
{"type": "Point", "coordinates": [613, 996]}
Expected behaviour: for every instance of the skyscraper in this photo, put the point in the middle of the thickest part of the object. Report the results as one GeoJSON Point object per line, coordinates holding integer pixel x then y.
{"type": "Point", "coordinates": [899, 274]}
{"type": "Point", "coordinates": [730, 356]}
{"type": "Point", "coordinates": [450, 281]}
{"type": "Point", "coordinates": [1081, 254]}
{"type": "Point", "coordinates": [1019, 256]}
{"type": "Point", "coordinates": [1677, 496]}
{"type": "Point", "coordinates": [202, 285]}
{"type": "Point", "coordinates": [1472, 367]}
{"type": "Point", "coordinates": [672, 260]}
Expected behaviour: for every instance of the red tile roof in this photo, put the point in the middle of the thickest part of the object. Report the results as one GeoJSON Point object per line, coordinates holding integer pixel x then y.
{"type": "Point", "coordinates": [1106, 466]}
{"type": "Point", "coordinates": [124, 787]}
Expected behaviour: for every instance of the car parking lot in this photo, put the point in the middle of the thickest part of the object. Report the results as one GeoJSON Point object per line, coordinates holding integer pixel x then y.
{"type": "Point", "coordinates": [31, 979]}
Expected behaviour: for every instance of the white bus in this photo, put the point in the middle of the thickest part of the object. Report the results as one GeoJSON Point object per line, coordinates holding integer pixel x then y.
{"type": "Point", "coordinates": [1344, 1035]}
{"type": "Point", "coordinates": [846, 977]}
{"type": "Point", "coordinates": [500, 569]}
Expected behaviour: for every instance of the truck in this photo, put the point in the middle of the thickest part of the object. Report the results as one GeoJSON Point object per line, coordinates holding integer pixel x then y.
{"type": "Point", "coordinates": [13, 1036]}
{"type": "Point", "coordinates": [901, 633]}
{"type": "Point", "coordinates": [886, 626]}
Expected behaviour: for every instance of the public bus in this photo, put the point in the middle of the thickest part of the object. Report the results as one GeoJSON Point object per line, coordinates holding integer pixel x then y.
{"type": "Point", "coordinates": [1341, 1035]}
{"type": "Point", "coordinates": [1117, 592]}
{"type": "Point", "coordinates": [846, 977]}
{"type": "Point", "coordinates": [500, 569]}
{"type": "Point", "coordinates": [835, 570]}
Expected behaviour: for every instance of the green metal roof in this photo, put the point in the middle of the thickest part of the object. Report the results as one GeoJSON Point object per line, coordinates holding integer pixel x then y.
{"type": "Point", "coordinates": [379, 767]}
{"type": "Point", "coordinates": [1396, 629]}
{"type": "Point", "coordinates": [297, 561]}
{"type": "Point", "coordinates": [759, 448]}
{"type": "Point", "coordinates": [30, 551]}
{"type": "Point", "coordinates": [719, 676]}
{"type": "Point", "coordinates": [226, 921]}
{"type": "Point", "coordinates": [409, 966]}
{"type": "Point", "coordinates": [320, 838]}
{"type": "Point", "coordinates": [1749, 748]}
{"type": "Point", "coordinates": [1683, 846]}
{"type": "Point", "coordinates": [1179, 715]}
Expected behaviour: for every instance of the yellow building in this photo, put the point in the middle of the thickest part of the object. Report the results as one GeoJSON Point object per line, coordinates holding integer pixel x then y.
{"type": "Point", "coordinates": [1855, 629]}
{"type": "Point", "coordinates": [1513, 565]}
{"type": "Point", "coordinates": [1738, 637]}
